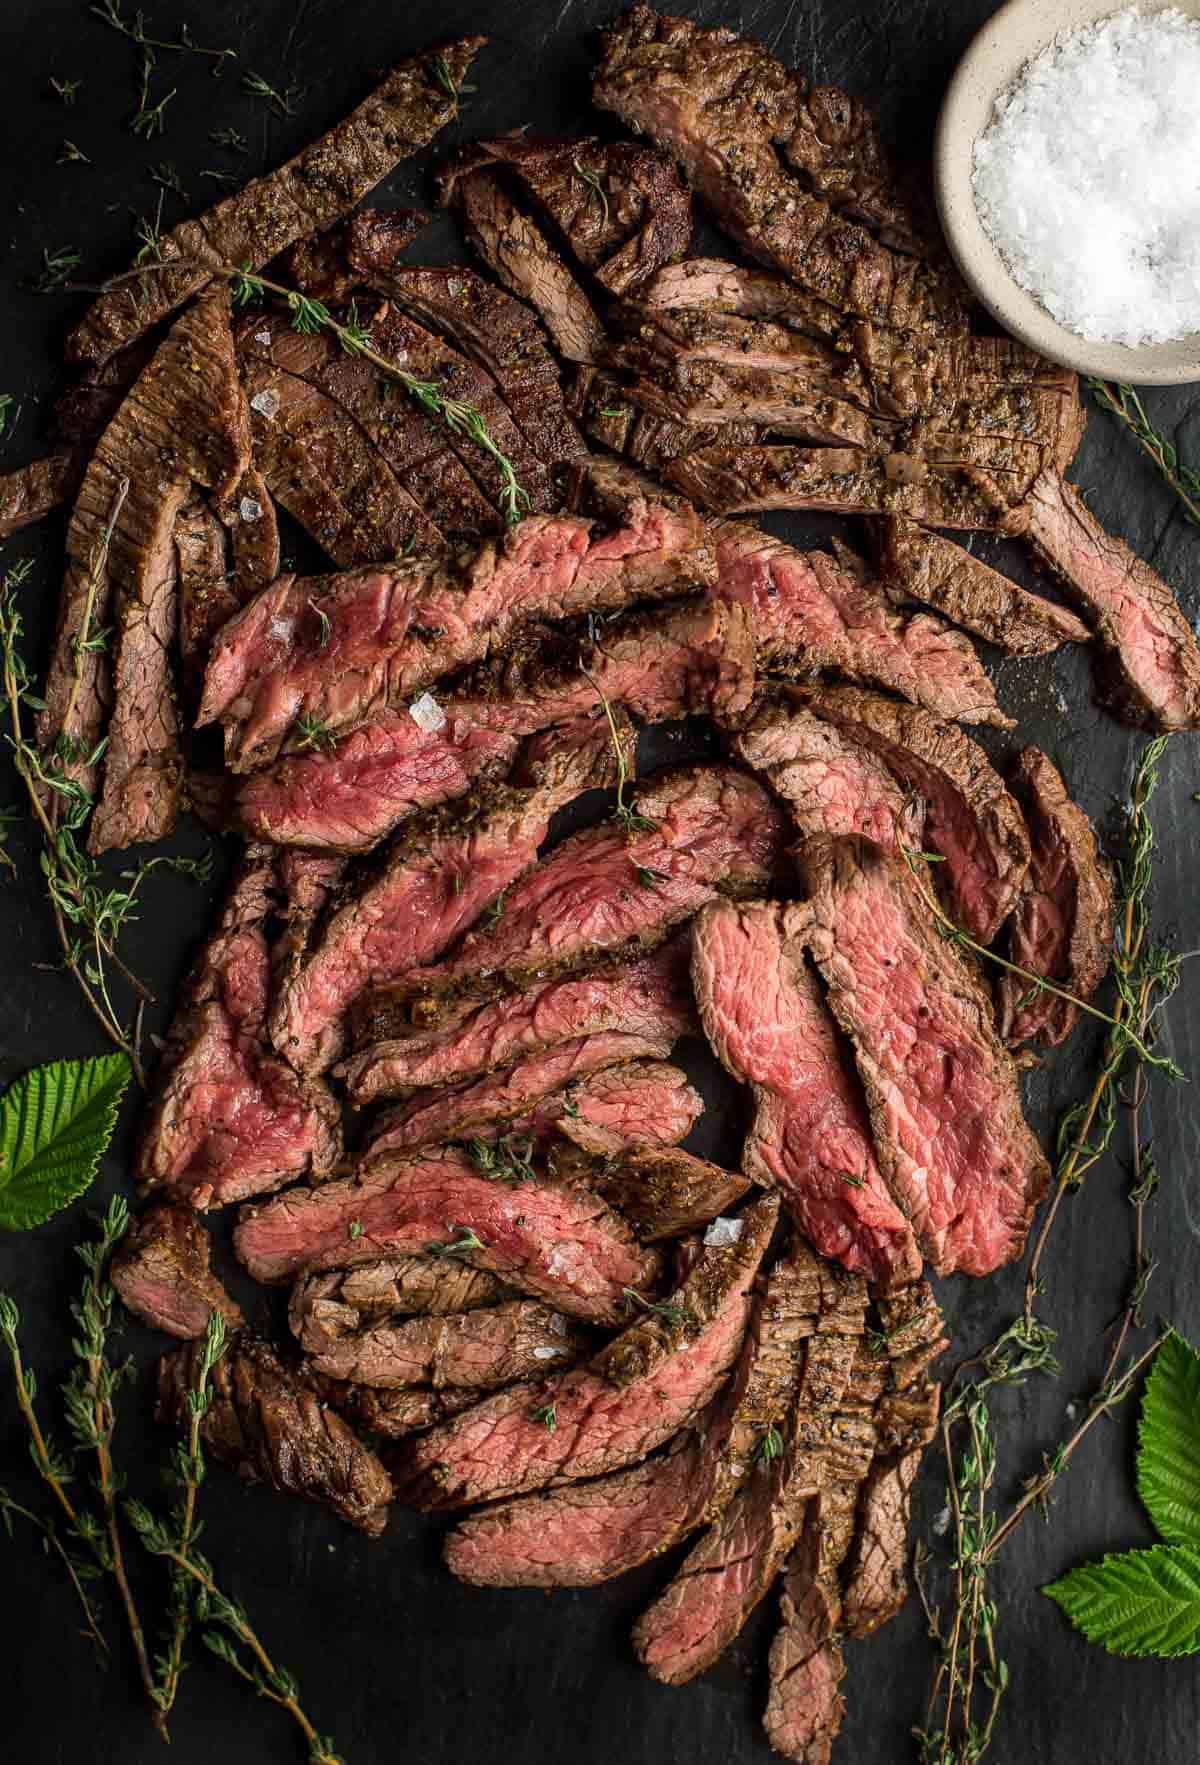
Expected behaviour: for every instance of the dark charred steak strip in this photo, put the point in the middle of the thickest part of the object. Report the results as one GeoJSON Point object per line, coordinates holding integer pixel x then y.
{"type": "Point", "coordinates": [698, 392]}
{"type": "Point", "coordinates": [641, 1103]}
{"type": "Point", "coordinates": [28, 494]}
{"type": "Point", "coordinates": [327, 1309]}
{"type": "Point", "coordinates": [811, 610]}
{"type": "Point", "coordinates": [970, 818]}
{"type": "Point", "coordinates": [555, 1243]}
{"type": "Point", "coordinates": [664, 1194]}
{"type": "Point", "coordinates": [924, 566]}
{"type": "Point", "coordinates": [1063, 924]}
{"type": "Point", "coordinates": [394, 1414]}
{"type": "Point", "coordinates": [914, 1331]}
{"type": "Point", "coordinates": [613, 889]}
{"type": "Point", "coordinates": [652, 995]}
{"type": "Point", "coordinates": [342, 648]}
{"type": "Point", "coordinates": [230, 1119]}
{"type": "Point", "coordinates": [436, 880]}
{"type": "Point", "coordinates": [328, 265]}
{"type": "Point", "coordinates": [202, 569]}
{"type": "Point", "coordinates": [718, 104]}
{"type": "Point", "coordinates": [270, 1428]}
{"type": "Point", "coordinates": [636, 1394]}
{"type": "Point", "coordinates": [309, 192]}
{"type": "Point", "coordinates": [520, 1339]}
{"type": "Point", "coordinates": [941, 1089]}
{"type": "Point", "coordinates": [1152, 661]}
{"type": "Point", "coordinates": [767, 1024]}
{"type": "Point", "coordinates": [161, 1273]}
{"type": "Point", "coordinates": [697, 657]}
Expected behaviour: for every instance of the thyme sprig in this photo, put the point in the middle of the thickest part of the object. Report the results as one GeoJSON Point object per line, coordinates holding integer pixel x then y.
{"type": "Point", "coordinates": [510, 1160]}
{"type": "Point", "coordinates": [109, 13]}
{"type": "Point", "coordinates": [57, 268]}
{"type": "Point", "coordinates": [282, 103]}
{"type": "Point", "coordinates": [313, 732]}
{"type": "Point", "coordinates": [592, 180]}
{"type": "Point", "coordinates": [66, 91]}
{"type": "Point", "coordinates": [624, 812]}
{"type": "Point", "coordinates": [1124, 404]}
{"type": "Point", "coordinates": [670, 1313]}
{"type": "Point", "coordinates": [461, 1243]}
{"type": "Point", "coordinates": [454, 89]}
{"type": "Point", "coordinates": [70, 154]}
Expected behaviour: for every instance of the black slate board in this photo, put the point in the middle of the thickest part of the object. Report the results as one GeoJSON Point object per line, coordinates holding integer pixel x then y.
{"type": "Point", "coordinates": [397, 1660]}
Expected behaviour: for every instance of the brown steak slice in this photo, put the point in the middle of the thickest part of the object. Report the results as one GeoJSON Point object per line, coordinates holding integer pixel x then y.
{"type": "Point", "coordinates": [328, 1308]}
{"type": "Point", "coordinates": [330, 264]}
{"type": "Point", "coordinates": [322, 183]}
{"type": "Point", "coordinates": [29, 493]}
{"type": "Point", "coordinates": [941, 1089]}
{"type": "Point", "coordinates": [394, 1414]}
{"type": "Point", "coordinates": [1152, 661]}
{"type": "Point", "coordinates": [229, 1119]}
{"type": "Point", "coordinates": [665, 1193]}
{"type": "Point", "coordinates": [696, 392]}
{"type": "Point", "coordinates": [201, 569]}
{"type": "Point", "coordinates": [1063, 924]}
{"type": "Point", "coordinates": [927, 567]}
{"type": "Point", "coordinates": [480, 1349]}
{"type": "Point", "coordinates": [914, 1332]}
{"type": "Point", "coordinates": [161, 1273]}
{"type": "Point", "coordinates": [768, 1025]}
{"type": "Point", "coordinates": [269, 1427]}
{"type": "Point", "coordinates": [635, 1395]}
{"type": "Point", "coordinates": [550, 1241]}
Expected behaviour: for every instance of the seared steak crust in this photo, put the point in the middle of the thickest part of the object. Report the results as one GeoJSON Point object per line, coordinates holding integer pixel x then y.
{"type": "Point", "coordinates": [161, 1273]}
{"type": "Point", "coordinates": [326, 1308]}
{"type": "Point", "coordinates": [28, 494]}
{"type": "Point", "coordinates": [479, 1349]}
{"type": "Point", "coordinates": [665, 1193]}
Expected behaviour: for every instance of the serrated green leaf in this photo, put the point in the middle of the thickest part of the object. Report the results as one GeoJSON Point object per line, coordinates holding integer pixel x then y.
{"type": "Point", "coordinates": [1142, 1603]}
{"type": "Point", "coordinates": [55, 1126]}
{"type": "Point", "coordinates": [1168, 1464]}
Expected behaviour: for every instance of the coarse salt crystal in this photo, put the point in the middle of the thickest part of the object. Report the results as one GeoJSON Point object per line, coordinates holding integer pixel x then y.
{"type": "Point", "coordinates": [427, 714]}
{"type": "Point", "coordinates": [248, 509]}
{"type": "Point", "coordinates": [546, 1354]}
{"type": "Point", "coordinates": [722, 1233]}
{"type": "Point", "coordinates": [265, 403]}
{"type": "Point", "coordinates": [557, 1325]}
{"type": "Point", "coordinates": [262, 337]}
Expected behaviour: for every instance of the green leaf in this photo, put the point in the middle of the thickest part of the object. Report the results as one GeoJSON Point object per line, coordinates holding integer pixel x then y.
{"type": "Point", "coordinates": [55, 1126]}
{"type": "Point", "coordinates": [1168, 1465]}
{"type": "Point", "coordinates": [1142, 1603]}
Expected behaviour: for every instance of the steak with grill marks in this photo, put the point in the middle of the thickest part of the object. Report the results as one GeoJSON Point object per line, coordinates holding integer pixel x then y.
{"type": "Point", "coordinates": [548, 1240]}
{"type": "Point", "coordinates": [270, 1427]}
{"type": "Point", "coordinates": [323, 182]}
{"type": "Point", "coordinates": [941, 1089]}
{"type": "Point", "coordinates": [665, 1193]}
{"type": "Point", "coordinates": [632, 1397]}
{"type": "Point", "coordinates": [695, 657]}
{"type": "Point", "coordinates": [337, 1305]}
{"type": "Point", "coordinates": [767, 1023]}
{"type": "Point", "coordinates": [161, 1273]}
{"type": "Point", "coordinates": [784, 402]}
{"type": "Point", "coordinates": [1063, 924]}
{"type": "Point", "coordinates": [480, 1349]}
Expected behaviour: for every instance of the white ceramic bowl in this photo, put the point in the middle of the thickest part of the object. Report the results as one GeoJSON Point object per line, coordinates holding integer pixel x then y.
{"type": "Point", "coordinates": [1017, 32]}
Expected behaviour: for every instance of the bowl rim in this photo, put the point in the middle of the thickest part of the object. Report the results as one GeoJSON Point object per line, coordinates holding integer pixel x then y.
{"type": "Point", "coordinates": [978, 260]}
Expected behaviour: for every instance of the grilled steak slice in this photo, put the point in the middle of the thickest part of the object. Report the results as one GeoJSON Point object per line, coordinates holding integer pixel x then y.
{"type": "Point", "coordinates": [830, 783]}
{"type": "Point", "coordinates": [719, 104]}
{"type": "Point", "coordinates": [309, 881]}
{"type": "Point", "coordinates": [201, 569]}
{"type": "Point", "coordinates": [614, 889]}
{"type": "Point", "coordinates": [767, 1024]}
{"type": "Point", "coordinates": [781, 402]}
{"type": "Point", "coordinates": [267, 1425]}
{"type": "Point", "coordinates": [650, 996]}
{"type": "Point", "coordinates": [229, 1119]}
{"type": "Point", "coordinates": [28, 494]}
{"type": "Point", "coordinates": [308, 193]}
{"type": "Point", "coordinates": [1063, 924]}
{"type": "Point", "coordinates": [435, 881]}
{"type": "Point", "coordinates": [877, 1567]}
{"type": "Point", "coordinates": [835, 146]}
{"type": "Point", "coordinates": [814, 611]}
{"type": "Point", "coordinates": [640, 1103]}
{"type": "Point", "coordinates": [636, 1394]}
{"type": "Point", "coordinates": [913, 1328]}
{"type": "Point", "coordinates": [552, 1242]}
{"type": "Point", "coordinates": [328, 1309]}
{"type": "Point", "coordinates": [970, 818]}
{"type": "Point", "coordinates": [341, 648]}
{"type": "Point", "coordinates": [161, 1274]}
{"type": "Point", "coordinates": [664, 1194]}
{"type": "Point", "coordinates": [519, 1339]}
{"type": "Point", "coordinates": [941, 1089]}
{"type": "Point", "coordinates": [691, 334]}
{"type": "Point", "coordinates": [394, 1414]}
{"type": "Point", "coordinates": [1151, 670]}
{"type": "Point", "coordinates": [328, 265]}
{"type": "Point", "coordinates": [923, 566]}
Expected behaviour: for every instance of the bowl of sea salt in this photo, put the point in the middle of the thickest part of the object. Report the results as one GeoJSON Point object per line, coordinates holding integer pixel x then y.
{"type": "Point", "coordinates": [1067, 166]}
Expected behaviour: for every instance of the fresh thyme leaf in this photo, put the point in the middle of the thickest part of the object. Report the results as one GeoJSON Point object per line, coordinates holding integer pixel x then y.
{"type": "Point", "coordinates": [150, 119]}
{"type": "Point", "coordinates": [770, 1446]}
{"type": "Point", "coordinates": [7, 414]}
{"type": "Point", "coordinates": [308, 315]}
{"type": "Point", "coordinates": [55, 1126]}
{"type": "Point", "coordinates": [314, 732]}
{"type": "Point", "coordinates": [57, 268]}
{"type": "Point", "coordinates": [446, 80]}
{"type": "Point", "coordinates": [618, 412]}
{"type": "Point", "coordinates": [70, 154]}
{"type": "Point", "coordinates": [547, 1414]}
{"type": "Point", "coordinates": [674, 1315]}
{"type": "Point", "coordinates": [282, 103]}
{"type": "Point", "coordinates": [494, 912]}
{"type": "Point", "coordinates": [854, 1182]}
{"type": "Point", "coordinates": [1168, 1460]}
{"type": "Point", "coordinates": [1145, 1602]}
{"type": "Point", "coordinates": [355, 1230]}
{"type": "Point", "coordinates": [353, 336]}
{"type": "Point", "coordinates": [592, 180]}
{"type": "Point", "coordinates": [649, 879]}
{"type": "Point", "coordinates": [1125, 404]}
{"type": "Point", "coordinates": [463, 1241]}
{"type": "Point", "coordinates": [246, 288]}
{"type": "Point", "coordinates": [66, 90]}
{"type": "Point", "coordinates": [232, 139]}
{"type": "Point", "coordinates": [508, 1161]}
{"type": "Point", "coordinates": [167, 174]}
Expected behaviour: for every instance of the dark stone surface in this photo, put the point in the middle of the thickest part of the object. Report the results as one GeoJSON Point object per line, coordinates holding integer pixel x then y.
{"type": "Point", "coordinates": [395, 1659]}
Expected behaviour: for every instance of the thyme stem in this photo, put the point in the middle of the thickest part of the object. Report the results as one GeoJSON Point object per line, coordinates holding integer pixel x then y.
{"type": "Point", "coordinates": [1127, 407]}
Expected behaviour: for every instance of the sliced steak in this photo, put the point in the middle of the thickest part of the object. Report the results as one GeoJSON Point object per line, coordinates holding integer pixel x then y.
{"type": "Point", "coordinates": [161, 1273]}
{"type": "Point", "coordinates": [1152, 661]}
{"type": "Point", "coordinates": [664, 1194]}
{"type": "Point", "coordinates": [328, 265]}
{"type": "Point", "coordinates": [941, 1089]}
{"type": "Point", "coordinates": [30, 492]}
{"type": "Point", "coordinates": [767, 1024]}
{"type": "Point", "coordinates": [781, 402]}
{"type": "Point", "coordinates": [635, 1395]}
{"type": "Point", "coordinates": [269, 1427]}
{"type": "Point", "coordinates": [550, 1241]}
{"type": "Point", "coordinates": [394, 1414]}
{"type": "Point", "coordinates": [640, 1103]}
{"type": "Point", "coordinates": [518, 1339]}
{"type": "Point", "coordinates": [970, 818]}
{"type": "Point", "coordinates": [697, 657]}
{"type": "Point", "coordinates": [1063, 924]}
{"type": "Point", "coordinates": [229, 1119]}
{"type": "Point", "coordinates": [813, 611]}
{"type": "Point", "coordinates": [922, 566]}
{"type": "Point", "coordinates": [205, 598]}
{"type": "Point", "coordinates": [877, 1567]}
{"type": "Point", "coordinates": [329, 1308]}
{"type": "Point", "coordinates": [309, 192]}
{"type": "Point", "coordinates": [309, 882]}
{"type": "Point", "coordinates": [914, 1332]}
{"type": "Point", "coordinates": [692, 334]}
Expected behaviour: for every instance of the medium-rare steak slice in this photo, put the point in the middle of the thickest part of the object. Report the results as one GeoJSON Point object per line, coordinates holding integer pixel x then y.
{"type": "Point", "coordinates": [665, 1193]}
{"type": "Point", "coordinates": [437, 877]}
{"type": "Point", "coordinates": [308, 193]}
{"type": "Point", "coordinates": [1151, 672]}
{"type": "Point", "coordinates": [970, 818]}
{"type": "Point", "coordinates": [553, 1242]}
{"type": "Point", "coordinates": [327, 1308]}
{"type": "Point", "coordinates": [480, 1349]}
{"type": "Point", "coordinates": [941, 1088]}
{"type": "Point", "coordinates": [309, 882]}
{"type": "Point", "coordinates": [269, 1427]}
{"type": "Point", "coordinates": [927, 567]}
{"type": "Point", "coordinates": [697, 833]}
{"type": "Point", "coordinates": [767, 1024]}
{"type": "Point", "coordinates": [29, 493]}
{"type": "Point", "coordinates": [229, 1119]}
{"type": "Point", "coordinates": [161, 1273]}
{"type": "Point", "coordinates": [698, 656]}
{"type": "Point", "coordinates": [651, 995]}
{"type": "Point", "coordinates": [635, 1395]}
{"type": "Point", "coordinates": [1063, 924]}
{"type": "Point", "coordinates": [813, 611]}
